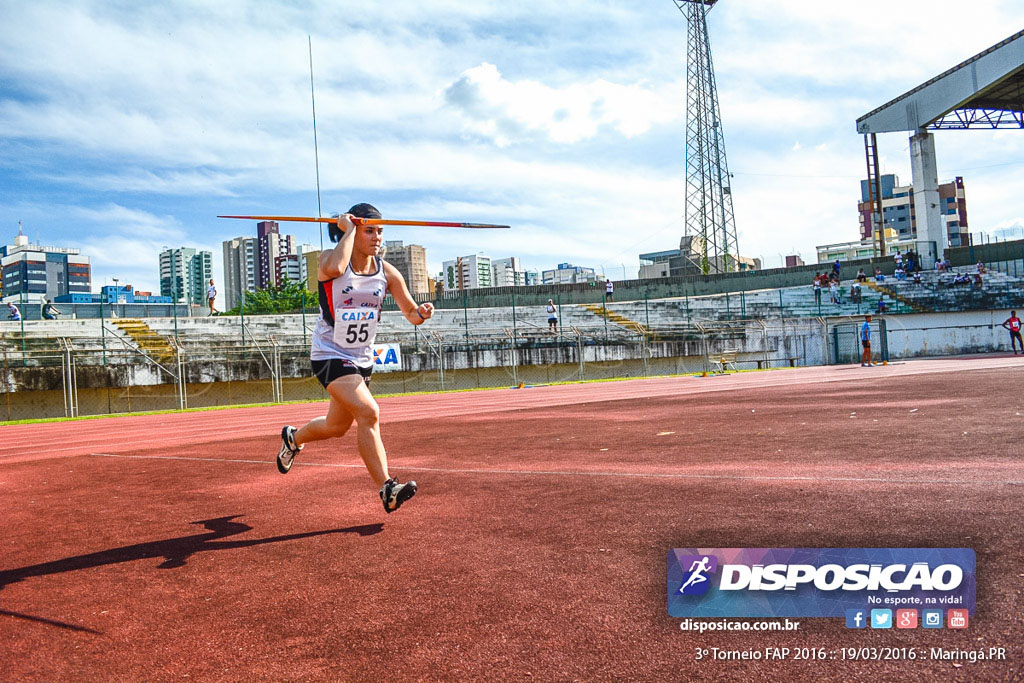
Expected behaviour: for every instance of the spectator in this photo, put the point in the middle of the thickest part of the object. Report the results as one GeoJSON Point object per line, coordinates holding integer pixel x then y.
{"type": "Point", "coordinates": [211, 294]}
{"type": "Point", "coordinates": [878, 275]}
{"type": "Point", "coordinates": [900, 273]}
{"type": "Point", "coordinates": [981, 268]}
{"type": "Point", "coordinates": [855, 297]}
{"type": "Point", "coordinates": [962, 279]}
{"type": "Point", "coordinates": [817, 288]}
{"type": "Point", "coordinates": [833, 292]}
{"type": "Point", "coordinates": [940, 266]}
{"type": "Point", "coordinates": [882, 305]}
{"type": "Point", "coordinates": [835, 268]}
{"type": "Point", "coordinates": [49, 311]}
{"type": "Point", "coordinates": [977, 281]}
{"type": "Point", "coordinates": [609, 290]}
{"type": "Point", "coordinates": [12, 311]}
{"type": "Point", "coordinates": [917, 277]}
{"type": "Point", "coordinates": [945, 264]}
{"type": "Point", "coordinates": [861, 276]}
{"type": "Point", "coordinates": [899, 259]}
{"type": "Point", "coordinates": [552, 317]}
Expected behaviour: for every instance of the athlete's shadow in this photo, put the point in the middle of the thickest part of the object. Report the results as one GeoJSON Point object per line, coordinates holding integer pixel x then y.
{"type": "Point", "coordinates": [175, 552]}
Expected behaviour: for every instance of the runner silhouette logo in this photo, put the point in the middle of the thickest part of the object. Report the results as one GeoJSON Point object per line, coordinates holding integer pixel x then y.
{"type": "Point", "coordinates": [696, 580]}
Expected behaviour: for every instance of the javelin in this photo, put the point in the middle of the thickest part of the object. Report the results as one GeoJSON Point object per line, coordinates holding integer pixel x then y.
{"type": "Point", "coordinates": [369, 221]}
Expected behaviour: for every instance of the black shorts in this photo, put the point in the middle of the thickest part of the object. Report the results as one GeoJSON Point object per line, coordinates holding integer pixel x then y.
{"type": "Point", "coordinates": [865, 343]}
{"type": "Point", "coordinates": [331, 369]}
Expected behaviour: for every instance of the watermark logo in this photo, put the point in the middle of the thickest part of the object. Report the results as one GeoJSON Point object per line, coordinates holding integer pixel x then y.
{"type": "Point", "coordinates": [906, 618]}
{"type": "Point", "coordinates": [820, 582]}
{"type": "Point", "coordinates": [697, 580]}
{"type": "Point", "coordinates": [957, 618]}
{"type": "Point", "coordinates": [856, 618]}
{"type": "Point", "coordinates": [881, 618]}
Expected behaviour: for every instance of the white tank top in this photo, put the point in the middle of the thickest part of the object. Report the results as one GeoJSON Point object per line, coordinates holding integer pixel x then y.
{"type": "Point", "coordinates": [350, 309]}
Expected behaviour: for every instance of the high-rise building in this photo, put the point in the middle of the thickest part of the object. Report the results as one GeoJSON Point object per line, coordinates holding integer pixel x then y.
{"type": "Point", "coordinates": [411, 262]}
{"type": "Point", "coordinates": [566, 273]}
{"type": "Point", "coordinates": [271, 244]}
{"type": "Point", "coordinates": [899, 217]}
{"type": "Point", "coordinates": [240, 269]}
{"type": "Point", "coordinates": [466, 272]}
{"type": "Point", "coordinates": [287, 268]}
{"type": "Point", "coordinates": [185, 273]}
{"type": "Point", "coordinates": [508, 272]}
{"type": "Point", "coordinates": [32, 271]}
{"type": "Point", "coordinates": [310, 259]}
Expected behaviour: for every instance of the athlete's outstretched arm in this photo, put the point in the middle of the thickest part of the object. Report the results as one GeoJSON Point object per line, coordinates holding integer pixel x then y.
{"type": "Point", "coordinates": [417, 315]}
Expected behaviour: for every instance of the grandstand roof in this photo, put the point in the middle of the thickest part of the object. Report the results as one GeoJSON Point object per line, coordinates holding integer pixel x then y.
{"type": "Point", "coordinates": [985, 91]}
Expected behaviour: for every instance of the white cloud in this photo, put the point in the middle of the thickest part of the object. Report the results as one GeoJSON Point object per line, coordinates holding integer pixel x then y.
{"type": "Point", "coordinates": [511, 111]}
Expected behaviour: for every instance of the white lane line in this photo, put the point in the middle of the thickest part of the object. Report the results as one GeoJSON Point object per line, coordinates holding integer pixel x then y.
{"type": "Point", "coordinates": [580, 473]}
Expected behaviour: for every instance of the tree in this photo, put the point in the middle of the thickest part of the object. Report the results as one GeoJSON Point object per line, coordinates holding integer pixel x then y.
{"type": "Point", "coordinates": [287, 298]}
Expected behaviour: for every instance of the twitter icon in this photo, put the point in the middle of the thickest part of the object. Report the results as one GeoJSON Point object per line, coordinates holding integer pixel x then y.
{"type": "Point", "coordinates": [881, 618]}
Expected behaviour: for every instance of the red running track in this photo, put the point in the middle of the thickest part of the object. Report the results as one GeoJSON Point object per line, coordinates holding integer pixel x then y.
{"type": "Point", "coordinates": [168, 546]}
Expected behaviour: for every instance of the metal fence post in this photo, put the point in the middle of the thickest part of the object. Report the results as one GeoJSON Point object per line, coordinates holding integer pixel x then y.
{"type": "Point", "coordinates": [65, 372]}
{"type": "Point", "coordinates": [22, 313]}
{"type": "Point", "coordinates": [579, 347]}
{"type": "Point", "coordinates": [304, 316]}
{"type": "Point", "coordinates": [103, 335]}
{"type": "Point", "coordinates": [643, 350]}
{"type": "Point", "coordinates": [182, 400]}
{"type": "Point", "coordinates": [515, 328]}
{"type": "Point", "coordinates": [440, 360]}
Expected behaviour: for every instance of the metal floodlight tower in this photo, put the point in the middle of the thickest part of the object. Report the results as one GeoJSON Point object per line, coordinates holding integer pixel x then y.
{"type": "Point", "coordinates": [709, 212]}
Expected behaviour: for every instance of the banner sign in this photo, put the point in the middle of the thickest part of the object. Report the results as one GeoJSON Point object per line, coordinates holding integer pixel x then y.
{"type": "Point", "coordinates": [387, 357]}
{"type": "Point", "coordinates": [816, 582]}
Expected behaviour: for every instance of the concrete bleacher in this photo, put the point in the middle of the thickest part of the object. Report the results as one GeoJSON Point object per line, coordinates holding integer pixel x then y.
{"type": "Point", "coordinates": [936, 293]}
{"type": "Point", "coordinates": [201, 336]}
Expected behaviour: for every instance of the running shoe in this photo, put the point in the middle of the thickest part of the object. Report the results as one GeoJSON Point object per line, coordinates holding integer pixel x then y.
{"type": "Point", "coordinates": [288, 449]}
{"type": "Point", "coordinates": [393, 494]}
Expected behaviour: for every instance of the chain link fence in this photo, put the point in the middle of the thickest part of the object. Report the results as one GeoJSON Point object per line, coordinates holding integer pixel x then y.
{"type": "Point", "coordinates": [111, 374]}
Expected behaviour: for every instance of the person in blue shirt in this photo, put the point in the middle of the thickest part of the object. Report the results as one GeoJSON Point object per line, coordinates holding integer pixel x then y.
{"type": "Point", "coordinates": [865, 342]}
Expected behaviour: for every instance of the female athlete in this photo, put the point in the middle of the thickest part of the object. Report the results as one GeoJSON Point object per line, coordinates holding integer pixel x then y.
{"type": "Point", "coordinates": [353, 281]}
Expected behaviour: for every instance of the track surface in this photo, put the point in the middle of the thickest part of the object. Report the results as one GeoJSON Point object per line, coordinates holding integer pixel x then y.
{"type": "Point", "coordinates": [168, 547]}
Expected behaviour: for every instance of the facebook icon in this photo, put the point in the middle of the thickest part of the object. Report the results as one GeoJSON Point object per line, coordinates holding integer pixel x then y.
{"type": "Point", "coordinates": [856, 618]}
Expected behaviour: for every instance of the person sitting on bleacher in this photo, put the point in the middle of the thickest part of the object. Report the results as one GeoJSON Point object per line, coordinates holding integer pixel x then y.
{"type": "Point", "coordinates": [917, 277]}
{"type": "Point", "coordinates": [861, 276]}
{"type": "Point", "coordinates": [855, 292]}
{"type": "Point", "coordinates": [981, 268]}
{"type": "Point", "coordinates": [900, 273]}
{"type": "Point", "coordinates": [878, 275]}
{"type": "Point", "coordinates": [940, 266]}
{"type": "Point", "coordinates": [962, 279]}
{"type": "Point", "coordinates": [882, 306]}
{"type": "Point", "coordinates": [977, 281]}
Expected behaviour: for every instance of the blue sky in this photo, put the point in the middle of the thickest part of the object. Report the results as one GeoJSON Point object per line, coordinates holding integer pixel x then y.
{"type": "Point", "coordinates": [126, 127]}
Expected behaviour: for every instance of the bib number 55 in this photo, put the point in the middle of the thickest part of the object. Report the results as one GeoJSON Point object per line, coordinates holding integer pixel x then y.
{"type": "Point", "coordinates": [357, 333]}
